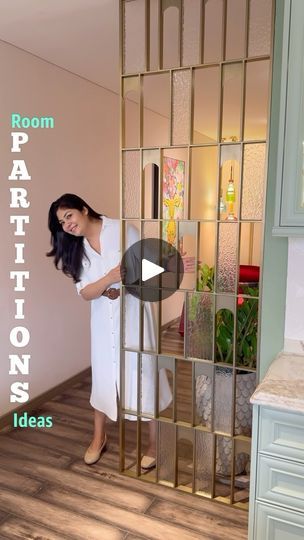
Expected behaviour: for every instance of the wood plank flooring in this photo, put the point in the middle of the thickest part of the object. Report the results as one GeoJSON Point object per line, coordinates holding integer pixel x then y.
{"type": "Point", "coordinates": [48, 493]}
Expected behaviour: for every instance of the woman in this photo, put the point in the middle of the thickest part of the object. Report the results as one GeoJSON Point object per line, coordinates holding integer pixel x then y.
{"type": "Point", "coordinates": [86, 247]}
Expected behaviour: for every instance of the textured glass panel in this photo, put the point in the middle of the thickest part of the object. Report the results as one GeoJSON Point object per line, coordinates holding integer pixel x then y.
{"type": "Point", "coordinates": [235, 29]}
{"type": "Point", "coordinates": [245, 386]}
{"type": "Point", "coordinates": [203, 393]}
{"type": "Point", "coordinates": [224, 334]}
{"type": "Point", "coordinates": [229, 182]}
{"type": "Point", "coordinates": [185, 457]}
{"type": "Point", "coordinates": [154, 28]}
{"type": "Point", "coordinates": [166, 367]}
{"type": "Point", "coordinates": [172, 339]}
{"type": "Point", "coordinates": [150, 229]}
{"type": "Point", "coordinates": [199, 343]}
{"type": "Point", "coordinates": [227, 257]}
{"type": "Point", "coordinates": [253, 181]}
{"type": "Point", "coordinates": [223, 399]}
{"type": "Point", "coordinates": [131, 184]}
{"type": "Point", "coordinates": [250, 253]}
{"type": "Point", "coordinates": [232, 100]}
{"type": "Point", "coordinates": [181, 107]}
{"type": "Point", "coordinates": [191, 32]}
{"type": "Point", "coordinates": [134, 36]}
{"type": "Point", "coordinates": [224, 459]}
{"type": "Point", "coordinates": [242, 452]}
{"type": "Point", "coordinates": [166, 454]}
{"type": "Point", "coordinates": [151, 191]}
{"type": "Point", "coordinates": [247, 328]}
{"type": "Point", "coordinates": [260, 13]}
{"type": "Point", "coordinates": [203, 459]}
{"type": "Point", "coordinates": [206, 104]}
{"type": "Point", "coordinates": [204, 174]}
{"type": "Point", "coordinates": [184, 391]}
{"type": "Point", "coordinates": [187, 242]}
{"type": "Point", "coordinates": [156, 103]}
{"type": "Point", "coordinates": [171, 31]}
{"type": "Point", "coordinates": [131, 112]}
{"type": "Point", "coordinates": [256, 104]}
{"type": "Point", "coordinates": [213, 31]}
{"type": "Point", "coordinates": [207, 238]}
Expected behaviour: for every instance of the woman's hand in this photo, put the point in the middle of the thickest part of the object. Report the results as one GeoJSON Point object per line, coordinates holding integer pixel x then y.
{"type": "Point", "coordinates": [114, 275]}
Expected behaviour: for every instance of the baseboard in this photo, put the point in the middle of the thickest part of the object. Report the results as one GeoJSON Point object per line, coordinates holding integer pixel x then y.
{"type": "Point", "coordinates": [29, 406]}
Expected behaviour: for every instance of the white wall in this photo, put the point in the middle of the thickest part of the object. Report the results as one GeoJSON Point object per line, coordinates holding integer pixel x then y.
{"type": "Point", "coordinates": [294, 322]}
{"type": "Point", "coordinates": [80, 155]}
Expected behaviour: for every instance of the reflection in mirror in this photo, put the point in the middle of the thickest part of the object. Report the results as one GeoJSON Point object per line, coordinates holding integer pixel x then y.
{"type": "Point", "coordinates": [185, 457]}
{"type": "Point", "coordinates": [250, 257]}
{"type": "Point", "coordinates": [174, 192]}
{"type": "Point", "coordinates": [181, 90]}
{"type": "Point", "coordinates": [213, 24]}
{"type": "Point", "coordinates": [131, 112]}
{"type": "Point", "coordinates": [156, 109]}
{"type": "Point", "coordinates": [224, 329]}
{"type": "Point", "coordinates": [256, 104]}
{"type": "Point", "coordinates": [199, 324]}
{"type": "Point", "coordinates": [172, 336]}
{"type": "Point", "coordinates": [191, 40]}
{"type": "Point", "coordinates": [224, 460]}
{"type": "Point", "coordinates": [131, 183]}
{"type": "Point", "coordinates": [206, 256]}
{"type": "Point", "coordinates": [247, 329]}
{"type": "Point", "coordinates": [166, 453]}
{"type": "Point", "coordinates": [148, 374]}
{"type": "Point", "coordinates": [206, 104]}
{"type": "Point", "coordinates": [244, 387]}
{"type": "Point", "coordinates": [166, 367]}
{"type": "Point", "coordinates": [134, 36]}
{"type": "Point", "coordinates": [187, 246]}
{"type": "Point", "coordinates": [204, 462]}
{"type": "Point", "coordinates": [232, 102]}
{"type": "Point", "coordinates": [184, 391]}
{"type": "Point", "coordinates": [129, 436]}
{"type": "Point", "coordinates": [253, 181]}
{"type": "Point", "coordinates": [171, 33]}
{"type": "Point", "coordinates": [223, 395]}
{"type": "Point", "coordinates": [227, 257]}
{"type": "Point", "coordinates": [203, 184]}
{"type": "Point", "coordinates": [235, 29]}
{"type": "Point", "coordinates": [242, 457]}
{"type": "Point", "coordinates": [204, 394]}
{"type": "Point", "coordinates": [150, 312]}
{"type": "Point", "coordinates": [260, 15]}
{"type": "Point", "coordinates": [229, 182]}
{"type": "Point", "coordinates": [151, 191]}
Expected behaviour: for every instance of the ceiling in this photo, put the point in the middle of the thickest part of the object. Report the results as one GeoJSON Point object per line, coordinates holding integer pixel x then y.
{"type": "Point", "coordinates": [78, 35]}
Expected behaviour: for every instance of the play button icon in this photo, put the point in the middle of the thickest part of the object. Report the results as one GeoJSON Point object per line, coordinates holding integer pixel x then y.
{"type": "Point", "coordinates": [149, 270]}
{"type": "Point", "coordinates": [152, 269]}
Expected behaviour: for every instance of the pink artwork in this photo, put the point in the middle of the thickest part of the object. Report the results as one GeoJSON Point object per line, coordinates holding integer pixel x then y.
{"type": "Point", "coordinates": [173, 196]}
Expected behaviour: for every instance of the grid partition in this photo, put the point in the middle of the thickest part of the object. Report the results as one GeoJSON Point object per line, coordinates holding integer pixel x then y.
{"type": "Point", "coordinates": [195, 85]}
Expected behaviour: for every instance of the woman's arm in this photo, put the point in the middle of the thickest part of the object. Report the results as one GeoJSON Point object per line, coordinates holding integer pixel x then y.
{"type": "Point", "coordinates": [95, 290]}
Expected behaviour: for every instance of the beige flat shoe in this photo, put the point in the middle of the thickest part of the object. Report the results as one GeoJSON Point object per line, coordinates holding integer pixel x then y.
{"type": "Point", "coordinates": [148, 462]}
{"type": "Point", "coordinates": [92, 456]}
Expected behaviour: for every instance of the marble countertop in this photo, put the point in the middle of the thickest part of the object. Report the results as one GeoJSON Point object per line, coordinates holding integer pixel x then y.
{"type": "Point", "coordinates": [283, 384]}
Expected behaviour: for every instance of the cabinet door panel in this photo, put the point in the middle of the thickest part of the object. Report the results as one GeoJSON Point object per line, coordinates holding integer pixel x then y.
{"type": "Point", "coordinates": [277, 524]}
{"type": "Point", "coordinates": [282, 434]}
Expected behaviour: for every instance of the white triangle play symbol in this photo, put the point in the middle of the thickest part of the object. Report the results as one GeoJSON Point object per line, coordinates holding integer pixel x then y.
{"type": "Point", "coordinates": [149, 269]}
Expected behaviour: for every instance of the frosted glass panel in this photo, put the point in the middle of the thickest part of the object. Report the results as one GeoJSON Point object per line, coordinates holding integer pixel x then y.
{"type": "Point", "coordinates": [166, 452]}
{"type": "Point", "coordinates": [191, 32]}
{"type": "Point", "coordinates": [256, 104]}
{"type": "Point", "coordinates": [213, 31]}
{"type": "Point", "coordinates": [199, 320]}
{"type": "Point", "coordinates": [245, 386]}
{"type": "Point", "coordinates": [150, 229]}
{"type": "Point", "coordinates": [260, 14]}
{"type": "Point", "coordinates": [131, 184]}
{"type": "Point", "coordinates": [224, 459]}
{"type": "Point", "coordinates": [227, 257]}
{"type": "Point", "coordinates": [156, 109]}
{"type": "Point", "coordinates": [181, 107]}
{"type": "Point", "coordinates": [171, 33]}
{"type": "Point", "coordinates": [235, 29]}
{"type": "Point", "coordinates": [232, 100]}
{"type": "Point", "coordinates": [131, 112]}
{"type": "Point", "coordinates": [223, 400]}
{"type": "Point", "coordinates": [185, 457]}
{"type": "Point", "coordinates": [172, 340]}
{"type": "Point", "coordinates": [134, 36]}
{"type": "Point", "coordinates": [203, 185]}
{"type": "Point", "coordinates": [154, 29]}
{"type": "Point", "coordinates": [229, 182]}
{"type": "Point", "coordinates": [206, 104]}
{"type": "Point", "coordinates": [203, 469]}
{"type": "Point", "coordinates": [204, 393]}
{"type": "Point", "coordinates": [253, 181]}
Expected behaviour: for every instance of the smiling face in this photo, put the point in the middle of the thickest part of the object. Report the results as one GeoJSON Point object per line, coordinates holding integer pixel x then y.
{"type": "Point", "coordinates": [73, 221]}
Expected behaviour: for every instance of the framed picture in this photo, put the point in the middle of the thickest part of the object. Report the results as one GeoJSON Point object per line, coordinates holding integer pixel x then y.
{"type": "Point", "coordinates": [172, 197]}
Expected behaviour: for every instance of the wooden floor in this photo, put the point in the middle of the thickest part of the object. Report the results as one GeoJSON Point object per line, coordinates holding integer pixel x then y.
{"type": "Point", "coordinates": [48, 493]}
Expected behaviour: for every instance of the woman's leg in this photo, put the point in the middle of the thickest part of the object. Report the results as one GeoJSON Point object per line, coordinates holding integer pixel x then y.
{"type": "Point", "coordinates": [151, 450]}
{"type": "Point", "coordinates": [99, 430]}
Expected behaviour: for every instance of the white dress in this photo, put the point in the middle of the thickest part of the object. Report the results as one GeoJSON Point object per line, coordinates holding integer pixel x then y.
{"type": "Point", "coordinates": [105, 334]}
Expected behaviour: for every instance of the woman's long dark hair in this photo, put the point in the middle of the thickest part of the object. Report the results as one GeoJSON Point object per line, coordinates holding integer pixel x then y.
{"type": "Point", "coordinates": [67, 249]}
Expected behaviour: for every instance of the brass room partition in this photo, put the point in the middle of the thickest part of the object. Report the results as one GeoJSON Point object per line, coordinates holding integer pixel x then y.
{"type": "Point", "coordinates": [195, 86]}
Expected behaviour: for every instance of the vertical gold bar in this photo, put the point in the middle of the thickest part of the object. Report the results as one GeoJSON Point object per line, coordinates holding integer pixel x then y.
{"type": "Point", "coordinates": [213, 464]}
{"type": "Point", "coordinates": [224, 29]}
{"type": "Point", "coordinates": [191, 109]}
{"type": "Point", "coordinates": [174, 408]}
{"type": "Point", "coordinates": [243, 99]}
{"type": "Point", "coordinates": [141, 111]}
{"type": "Point", "coordinates": [147, 34]}
{"type": "Point", "coordinates": [180, 31]}
{"type": "Point", "coordinates": [138, 421]}
{"type": "Point", "coordinates": [176, 457]}
{"type": "Point", "coordinates": [251, 239]}
{"type": "Point", "coordinates": [202, 31]}
{"type": "Point", "coordinates": [247, 19]}
{"type": "Point", "coordinates": [161, 34]}
{"type": "Point", "coordinates": [171, 109]}
{"type": "Point", "coordinates": [194, 459]}
{"type": "Point", "coordinates": [232, 472]}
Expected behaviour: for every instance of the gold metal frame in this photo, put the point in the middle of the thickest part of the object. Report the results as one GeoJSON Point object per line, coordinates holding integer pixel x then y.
{"type": "Point", "coordinates": [239, 442]}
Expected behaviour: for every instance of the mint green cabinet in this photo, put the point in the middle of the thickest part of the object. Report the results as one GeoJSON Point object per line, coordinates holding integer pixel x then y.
{"type": "Point", "coordinates": [289, 214]}
{"type": "Point", "coordinates": [277, 485]}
